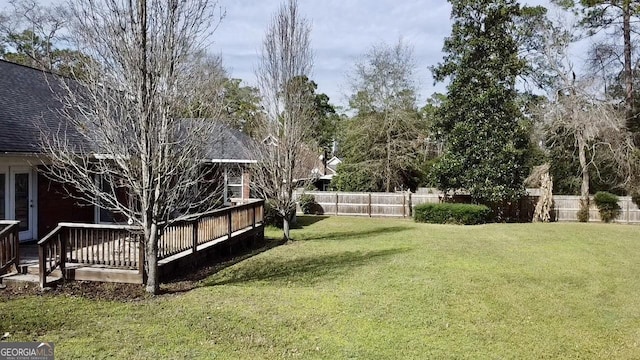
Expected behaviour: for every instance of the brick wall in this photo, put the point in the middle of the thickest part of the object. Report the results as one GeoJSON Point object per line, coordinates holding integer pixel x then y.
{"type": "Point", "coordinates": [55, 205]}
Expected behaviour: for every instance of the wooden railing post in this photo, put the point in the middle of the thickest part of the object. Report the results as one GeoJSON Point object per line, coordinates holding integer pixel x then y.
{"type": "Point", "coordinates": [140, 255]}
{"type": "Point", "coordinates": [195, 236]}
{"type": "Point", "coordinates": [16, 245]}
{"type": "Point", "coordinates": [62, 240]}
{"type": "Point", "coordinates": [254, 206]}
{"type": "Point", "coordinates": [230, 227]}
{"type": "Point", "coordinates": [41, 267]}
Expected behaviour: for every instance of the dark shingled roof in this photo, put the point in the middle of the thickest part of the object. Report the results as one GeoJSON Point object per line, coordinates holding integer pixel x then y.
{"type": "Point", "coordinates": [30, 102]}
{"type": "Point", "coordinates": [232, 145]}
{"type": "Point", "coordinates": [27, 104]}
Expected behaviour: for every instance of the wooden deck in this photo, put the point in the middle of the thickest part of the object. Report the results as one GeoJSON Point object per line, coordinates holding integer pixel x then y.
{"type": "Point", "coordinates": [113, 253]}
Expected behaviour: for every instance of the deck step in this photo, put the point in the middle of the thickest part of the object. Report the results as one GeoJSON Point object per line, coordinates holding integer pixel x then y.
{"type": "Point", "coordinates": [18, 278]}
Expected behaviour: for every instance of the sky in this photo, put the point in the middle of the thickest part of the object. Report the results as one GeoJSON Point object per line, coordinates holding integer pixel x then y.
{"type": "Point", "coordinates": [342, 32]}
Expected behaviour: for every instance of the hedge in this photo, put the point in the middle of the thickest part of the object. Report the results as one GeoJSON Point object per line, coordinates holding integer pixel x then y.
{"type": "Point", "coordinates": [448, 213]}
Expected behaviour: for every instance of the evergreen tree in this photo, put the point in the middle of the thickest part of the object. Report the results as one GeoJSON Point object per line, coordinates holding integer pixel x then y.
{"type": "Point", "coordinates": [486, 134]}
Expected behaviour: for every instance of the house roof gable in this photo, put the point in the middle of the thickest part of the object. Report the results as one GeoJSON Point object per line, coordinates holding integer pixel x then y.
{"type": "Point", "coordinates": [30, 102]}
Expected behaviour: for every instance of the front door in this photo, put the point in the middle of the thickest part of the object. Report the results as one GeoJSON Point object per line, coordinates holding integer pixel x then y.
{"type": "Point", "coordinates": [21, 200]}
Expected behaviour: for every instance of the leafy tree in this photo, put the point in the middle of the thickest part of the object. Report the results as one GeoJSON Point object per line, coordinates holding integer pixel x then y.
{"type": "Point", "coordinates": [242, 106]}
{"type": "Point", "coordinates": [485, 132]}
{"type": "Point", "coordinates": [30, 34]}
{"type": "Point", "coordinates": [325, 117]}
{"type": "Point", "coordinates": [383, 140]}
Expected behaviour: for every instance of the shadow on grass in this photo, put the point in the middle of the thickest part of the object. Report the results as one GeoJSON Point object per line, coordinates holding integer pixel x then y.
{"type": "Point", "coordinates": [304, 270]}
{"type": "Point", "coordinates": [307, 220]}
{"type": "Point", "coordinates": [189, 279]}
{"type": "Point", "coordinates": [343, 235]}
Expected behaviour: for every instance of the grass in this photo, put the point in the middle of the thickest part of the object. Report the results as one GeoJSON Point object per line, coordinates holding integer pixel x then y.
{"type": "Point", "coordinates": [354, 288]}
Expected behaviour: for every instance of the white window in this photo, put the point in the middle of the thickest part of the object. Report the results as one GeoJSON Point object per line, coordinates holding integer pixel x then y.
{"type": "Point", "coordinates": [233, 184]}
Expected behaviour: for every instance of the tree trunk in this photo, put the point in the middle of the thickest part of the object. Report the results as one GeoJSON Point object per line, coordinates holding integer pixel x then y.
{"type": "Point", "coordinates": [628, 71]}
{"type": "Point", "coordinates": [388, 180]}
{"type": "Point", "coordinates": [584, 169]}
{"type": "Point", "coordinates": [151, 260]}
{"type": "Point", "coordinates": [285, 228]}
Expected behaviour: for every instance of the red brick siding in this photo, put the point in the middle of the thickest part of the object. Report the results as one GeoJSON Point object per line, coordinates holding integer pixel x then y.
{"type": "Point", "coordinates": [55, 205]}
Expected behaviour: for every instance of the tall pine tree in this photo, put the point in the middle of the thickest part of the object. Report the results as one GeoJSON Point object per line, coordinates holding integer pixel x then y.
{"type": "Point", "coordinates": [485, 132]}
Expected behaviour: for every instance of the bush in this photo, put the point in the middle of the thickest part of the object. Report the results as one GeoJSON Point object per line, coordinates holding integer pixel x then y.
{"type": "Point", "coordinates": [583, 214]}
{"type": "Point", "coordinates": [447, 213]}
{"type": "Point", "coordinates": [271, 215]}
{"type": "Point", "coordinates": [307, 203]}
{"type": "Point", "coordinates": [607, 204]}
{"type": "Point", "coordinates": [636, 199]}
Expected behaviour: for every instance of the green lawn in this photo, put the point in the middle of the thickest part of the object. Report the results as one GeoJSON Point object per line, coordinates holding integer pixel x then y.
{"type": "Point", "coordinates": [354, 288]}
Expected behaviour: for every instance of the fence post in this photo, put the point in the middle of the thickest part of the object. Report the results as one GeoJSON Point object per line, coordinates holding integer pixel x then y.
{"type": "Point", "coordinates": [628, 213]}
{"type": "Point", "coordinates": [336, 204]}
{"type": "Point", "coordinates": [369, 204]}
{"type": "Point", "coordinates": [194, 236]}
{"type": "Point", "coordinates": [404, 205]}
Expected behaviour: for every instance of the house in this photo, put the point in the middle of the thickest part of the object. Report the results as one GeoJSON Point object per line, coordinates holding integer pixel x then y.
{"type": "Point", "coordinates": [324, 174]}
{"type": "Point", "coordinates": [29, 101]}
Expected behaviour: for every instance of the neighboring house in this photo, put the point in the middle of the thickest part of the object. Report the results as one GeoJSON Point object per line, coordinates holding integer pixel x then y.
{"type": "Point", "coordinates": [325, 173]}
{"type": "Point", "coordinates": [28, 103]}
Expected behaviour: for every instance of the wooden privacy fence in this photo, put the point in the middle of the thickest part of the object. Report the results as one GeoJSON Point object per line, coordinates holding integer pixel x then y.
{"type": "Point", "coordinates": [9, 240]}
{"type": "Point", "coordinates": [368, 204]}
{"type": "Point", "coordinates": [565, 207]}
{"type": "Point", "coordinates": [120, 247]}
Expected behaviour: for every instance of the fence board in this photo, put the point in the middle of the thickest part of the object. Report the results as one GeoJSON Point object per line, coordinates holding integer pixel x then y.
{"type": "Point", "coordinates": [402, 204]}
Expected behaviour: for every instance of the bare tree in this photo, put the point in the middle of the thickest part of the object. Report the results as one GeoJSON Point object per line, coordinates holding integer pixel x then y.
{"type": "Point", "coordinates": [386, 133]}
{"type": "Point", "coordinates": [125, 130]}
{"type": "Point", "coordinates": [575, 110]}
{"type": "Point", "coordinates": [286, 54]}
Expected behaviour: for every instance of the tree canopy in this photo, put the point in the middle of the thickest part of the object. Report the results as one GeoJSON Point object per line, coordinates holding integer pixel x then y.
{"type": "Point", "coordinates": [485, 133]}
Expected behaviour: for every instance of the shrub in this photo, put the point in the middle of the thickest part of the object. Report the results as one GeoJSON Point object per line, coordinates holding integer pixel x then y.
{"type": "Point", "coordinates": [447, 213]}
{"type": "Point", "coordinates": [636, 199]}
{"type": "Point", "coordinates": [307, 203]}
{"type": "Point", "coordinates": [607, 204]}
{"type": "Point", "coordinates": [271, 215]}
{"type": "Point", "coordinates": [583, 214]}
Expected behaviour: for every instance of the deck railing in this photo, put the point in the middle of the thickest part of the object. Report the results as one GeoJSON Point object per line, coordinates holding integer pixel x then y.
{"type": "Point", "coordinates": [9, 244]}
{"type": "Point", "coordinates": [218, 224]}
{"type": "Point", "coordinates": [120, 246]}
{"type": "Point", "coordinates": [113, 246]}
